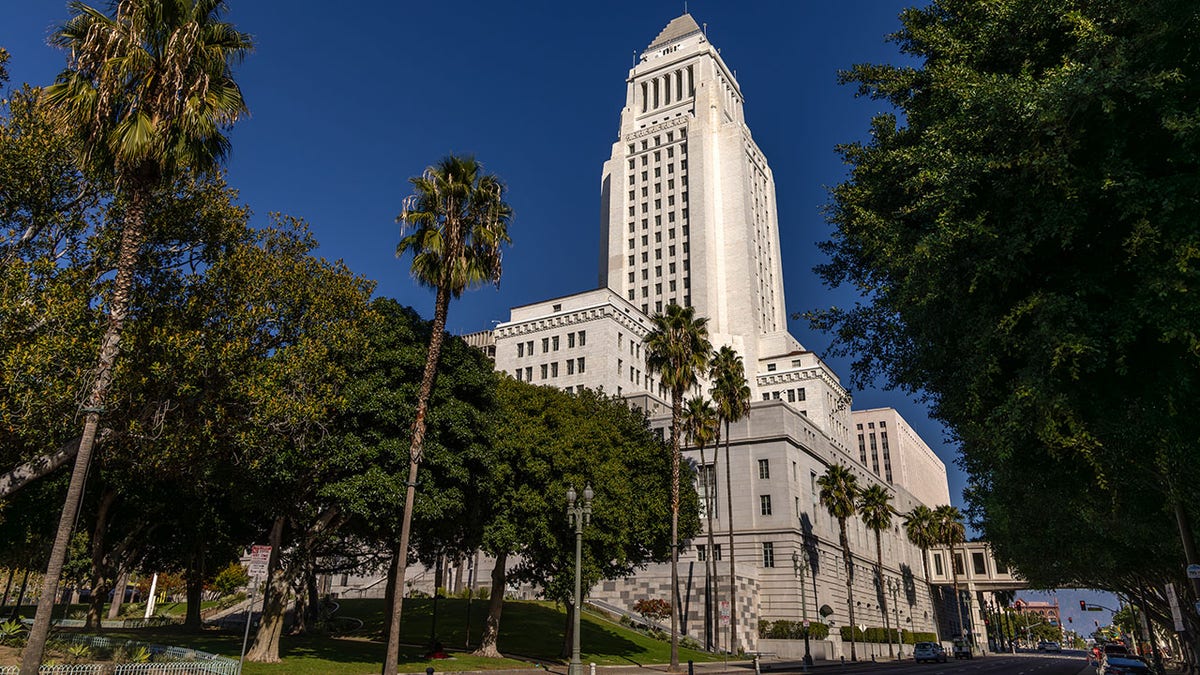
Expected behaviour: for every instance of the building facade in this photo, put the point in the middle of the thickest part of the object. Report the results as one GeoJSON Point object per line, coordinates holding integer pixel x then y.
{"type": "Point", "coordinates": [688, 216]}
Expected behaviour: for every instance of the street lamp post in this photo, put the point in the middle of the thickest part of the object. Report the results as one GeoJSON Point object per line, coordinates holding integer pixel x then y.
{"type": "Point", "coordinates": [578, 516]}
{"type": "Point", "coordinates": [894, 587]}
{"type": "Point", "coordinates": [800, 569]}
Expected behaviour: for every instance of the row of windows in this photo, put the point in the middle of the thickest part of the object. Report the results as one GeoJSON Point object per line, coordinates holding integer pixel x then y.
{"type": "Point", "coordinates": [792, 395]}
{"type": "Point", "coordinates": [551, 344]}
{"type": "Point", "coordinates": [549, 370]}
{"type": "Point", "coordinates": [658, 140]}
{"type": "Point", "coordinates": [771, 366]}
{"type": "Point", "coordinates": [978, 564]}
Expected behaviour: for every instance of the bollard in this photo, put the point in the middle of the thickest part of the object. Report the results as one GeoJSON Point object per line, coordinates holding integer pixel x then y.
{"type": "Point", "coordinates": [757, 670]}
{"type": "Point", "coordinates": [592, 669]}
{"type": "Point", "coordinates": [429, 670]}
{"type": "Point", "coordinates": [691, 667]}
{"type": "Point", "coordinates": [843, 660]}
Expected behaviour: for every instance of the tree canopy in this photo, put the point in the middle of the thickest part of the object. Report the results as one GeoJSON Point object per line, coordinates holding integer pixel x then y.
{"type": "Point", "coordinates": [1022, 229]}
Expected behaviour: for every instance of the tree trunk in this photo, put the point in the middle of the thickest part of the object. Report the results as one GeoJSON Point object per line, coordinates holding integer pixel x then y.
{"type": "Point", "coordinates": [887, 625]}
{"type": "Point", "coordinates": [957, 598]}
{"type": "Point", "coordinates": [710, 563]}
{"type": "Point", "coordinates": [314, 599]}
{"type": "Point", "coordinates": [100, 581]}
{"type": "Point", "coordinates": [491, 628]}
{"type": "Point", "coordinates": [568, 632]}
{"type": "Point", "coordinates": [845, 542]}
{"type": "Point", "coordinates": [676, 605]}
{"type": "Point", "coordinates": [8, 587]}
{"type": "Point", "coordinates": [37, 467]}
{"type": "Point", "coordinates": [733, 612]}
{"type": "Point", "coordinates": [131, 239]}
{"type": "Point", "coordinates": [270, 626]}
{"type": "Point", "coordinates": [937, 625]}
{"type": "Point", "coordinates": [114, 610]}
{"type": "Point", "coordinates": [415, 453]}
{"type": "Point", "coordinates": [195, 595]}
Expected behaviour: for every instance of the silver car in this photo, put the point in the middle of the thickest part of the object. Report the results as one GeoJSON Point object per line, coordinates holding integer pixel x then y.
{"type": "Point", "coordinates": [929, 651]}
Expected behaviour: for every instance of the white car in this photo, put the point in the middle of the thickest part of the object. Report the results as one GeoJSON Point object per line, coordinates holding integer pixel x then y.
{"type": "Point", "coordinates": [1049, 646]}
{"type": "Point", "coordinates": [929, 651]}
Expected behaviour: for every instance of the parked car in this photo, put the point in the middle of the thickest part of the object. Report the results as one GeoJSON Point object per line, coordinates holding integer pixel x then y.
{"type": "Point", "coordinates": [929, 651]}
{"type": "Point", "coordinates": [1049, 646]}
{"type": "Point", "coordinates": [962, 649]}
{"type": "Point", "coordinates": [1123, 664]}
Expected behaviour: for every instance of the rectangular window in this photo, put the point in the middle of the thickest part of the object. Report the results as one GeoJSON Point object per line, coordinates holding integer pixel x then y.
{"type": "Point", "coordinates": [937, 565]}
{"type": "Point", "coordinates": [545, 370]}
{"type": "Point", "coordinates": [768, 556]}
{"type": "Point", "coordinates": [579, 363]}
{"type": "Point", "coordinates": [770, 367]}
{"type": "Point", "coordinates": [977, 562]}
{"type": "Point", "coordinates": [518, 374]}
{"type": "Point", "coordinates": [958, 564]}
{"type": "Point", "coordinates": [797, 507]}
{"type": "Point", "coordinates": [791, 395]}
{"type": "Point", "coordinates": [700, 553]}
{"type": "Point", "coordinates": [520, 349]}
{"type": "Point", "coordinates": [545, 345]}
{"type": "Point", "coordinates": [571, 336]}
{"type": "Point", "coordinates": [554, 369]}
{"type": "Point", "coordinates": [766, 396]}
{"type": "Point", "coordinates": [800, 393]}
{"type": "Point", "coordinates": [582, 338]}
{"type": "Point", "coordinates": [554, 341]}
{"type": "Point", "coordinates": [716, 551]}
{"type": "Point", "coordinates": [570, 366]}
{"type": "Point", "coordinates": [764, 469]}
{"type": "Point", "coordinates": [764, 504]}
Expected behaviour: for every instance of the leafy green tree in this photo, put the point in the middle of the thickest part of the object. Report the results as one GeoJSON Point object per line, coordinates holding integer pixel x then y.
{"type": "Point", "coordinates": [1034, 190]}
{"type": "Point", "coordinates": [921, 528]}
{"type": "Point", "coordinates": [151, 90]}
{"type": "Point", "coordinates": [731, 395]}
{"type": "Point", "coordinates": [702, 427]}
{"type": "Point", "coordinates": [875, 509]}
{"type": "Point", "coordinates": [677, 348]}
{"type": "Point", "coordinates": [839, 495]}
{"type": "Point", "coordinates": [549, 439]}
{"type": "Point", "coordinates": [456, 222]}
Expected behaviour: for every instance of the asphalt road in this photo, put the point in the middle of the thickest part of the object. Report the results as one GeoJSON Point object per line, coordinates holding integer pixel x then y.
{"type": "Point", "coordinates": [1067, 663]}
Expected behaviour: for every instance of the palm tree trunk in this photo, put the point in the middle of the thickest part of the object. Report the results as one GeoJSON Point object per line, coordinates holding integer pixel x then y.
{"type": "Point", "coordinates": [491, 630]}
{"type": "Point", "coordinates": [957, 603]}
{"type": "Point", "coordinates": [415, 452]}
{"type": "Point", "coordinates": [131, 241]}
{"type": "Point", "coordinates": [733, 646]}
{"type": "Point", "coordinates": [676, 414]}
{"type": "Point", "coordinates": [710, 564]}
{"type": "Point", "coordinates": [845, 542]}
{"type": "Point", "coordinates": [937, 625]}
{"type": "Point", "coordinates": [887, 626]}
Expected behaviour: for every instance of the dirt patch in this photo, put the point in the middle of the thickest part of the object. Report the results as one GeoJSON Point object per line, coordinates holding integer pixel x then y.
{"type": "Point", "coordinates": [9, 656]}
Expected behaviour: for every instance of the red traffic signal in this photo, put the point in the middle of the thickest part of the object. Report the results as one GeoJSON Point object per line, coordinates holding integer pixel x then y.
{"type": "Point", "coordinates": [1070, 619]}
{"type": "Point", "coordinates": [1082, 606]}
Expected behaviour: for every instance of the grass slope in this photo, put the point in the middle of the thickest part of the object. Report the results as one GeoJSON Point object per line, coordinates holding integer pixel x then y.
{"type": "Point", "coordinates": [530, 632]}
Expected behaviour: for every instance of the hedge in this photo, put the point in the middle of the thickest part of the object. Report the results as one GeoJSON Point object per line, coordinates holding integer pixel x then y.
{"type": "Point", "coordinates": [791, 630]}
{"type": "Point", "coordinates": [877, 634]}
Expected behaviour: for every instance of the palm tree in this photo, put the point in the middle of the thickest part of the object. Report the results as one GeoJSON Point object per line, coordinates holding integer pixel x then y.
{"type": "Point", "coordinates": [951, 533]}
{"type": "Point", "coordinates": [677, 348]}
{"type": "Point", "coordinates": [455, 222]}
{"type": "Point", "coordinates": [732, 397]}
{"type": "Point", "coordinates": [875, 507]}
{"type": "Point", "coordinates": [701, 424]}
{"type": "Point", "coordinates": [921, 526]}
{"type": "Point", "coordinates": [151, 91]}
{"type": "Point", "coordinates": [839, 496]}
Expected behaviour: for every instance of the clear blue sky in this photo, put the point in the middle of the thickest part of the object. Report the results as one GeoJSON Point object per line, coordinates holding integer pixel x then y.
{"type": "Point", "coordinates": [350, 99]}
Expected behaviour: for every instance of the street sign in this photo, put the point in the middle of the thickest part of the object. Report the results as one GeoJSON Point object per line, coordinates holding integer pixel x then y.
{"type": "Point", "coordinates": [806, 620]}
{"type": "Point", "coordinates": [260, 557]}
{"type": "Point", "coordinates": [1193, 571]}
{"type": "Point", "coordinates": [725, 613]}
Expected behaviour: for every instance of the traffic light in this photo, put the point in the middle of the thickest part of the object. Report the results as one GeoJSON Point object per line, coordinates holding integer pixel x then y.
{"type": "Point", "coordinates": [1082, 606]}
{"type": "Point", "coordinates": [1070, 619]}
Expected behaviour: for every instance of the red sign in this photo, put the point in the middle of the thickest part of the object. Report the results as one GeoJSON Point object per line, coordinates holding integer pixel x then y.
{"type": "Point", "coordinates": [260, 557]}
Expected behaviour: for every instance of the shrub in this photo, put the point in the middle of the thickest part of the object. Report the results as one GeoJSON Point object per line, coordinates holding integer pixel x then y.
{"type": "Point", "coordinates": [791, 630]}
{"type": "Point", "coordinates": [228, 580]}
{"type": "Point", "coordinates": [12, 633]}
{"type": "Point", "coordinates": [484, 593]}
{"type": "Point", "coordinates": [653, 609]}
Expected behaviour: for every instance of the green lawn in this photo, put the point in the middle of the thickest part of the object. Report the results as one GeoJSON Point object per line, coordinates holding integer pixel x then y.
{"type": "Point", "coordinates": [530, 632]}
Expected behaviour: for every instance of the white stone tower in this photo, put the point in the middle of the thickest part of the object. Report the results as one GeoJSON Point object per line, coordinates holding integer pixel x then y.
{"type": "Point", "coordinates": [688, 204]}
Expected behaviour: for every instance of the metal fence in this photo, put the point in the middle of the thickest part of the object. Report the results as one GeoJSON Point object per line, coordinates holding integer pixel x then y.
{"type": "Point", "coordinates": [168, 660]}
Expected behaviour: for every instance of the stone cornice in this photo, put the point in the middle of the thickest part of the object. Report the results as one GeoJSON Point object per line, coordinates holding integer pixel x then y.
{"type": "Point", "coordinates": [655, 128]}
{"type": "Point", "coordinates": [571, 318]}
